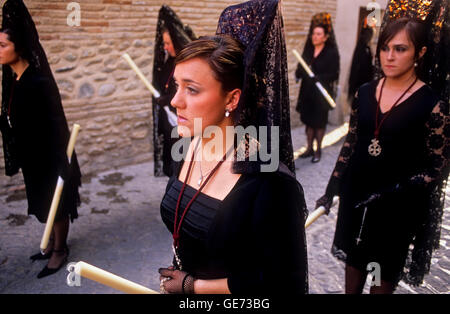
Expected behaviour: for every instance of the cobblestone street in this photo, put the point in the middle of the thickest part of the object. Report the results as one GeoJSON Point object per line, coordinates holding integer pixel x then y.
{"type": "Point", "coordinates": [119, 229]}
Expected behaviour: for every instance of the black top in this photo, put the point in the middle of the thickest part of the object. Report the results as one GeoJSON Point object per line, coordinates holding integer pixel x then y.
{"type": "Point", "coordinates": [255, 237]}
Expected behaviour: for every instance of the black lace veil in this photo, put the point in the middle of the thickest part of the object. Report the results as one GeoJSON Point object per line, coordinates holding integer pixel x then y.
{"type": "Point", "coordinates": [362, 69]}
{"type": "Point", "coordinates": [163, 66]}
{"type": "Point", "coordinates": [258, 25]}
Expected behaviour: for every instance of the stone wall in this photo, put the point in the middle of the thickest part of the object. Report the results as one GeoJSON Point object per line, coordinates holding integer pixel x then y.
{"type": "Point", "coordinates": [99, 90]}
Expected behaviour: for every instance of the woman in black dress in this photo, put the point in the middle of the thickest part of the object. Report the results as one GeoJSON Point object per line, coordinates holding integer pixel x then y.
{"type": "Point", "coordinates": [362, 70]}
{"type": "Point", "coordinates": [171, 36]}
{"type": "Point", "coordinates": [322, 56]}
{"type": "Point", "coordinates": [392, 168]}
{"type": "Point", "coordinates": [244, 230]}
{"type": "Point", "coordinates": [34, 129]}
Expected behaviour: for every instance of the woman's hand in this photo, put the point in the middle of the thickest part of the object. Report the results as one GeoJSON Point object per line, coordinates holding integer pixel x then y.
{"type": "Point", "coordinates": [325, 201]}
{"type": "Point", "coordinates": [175, 281]}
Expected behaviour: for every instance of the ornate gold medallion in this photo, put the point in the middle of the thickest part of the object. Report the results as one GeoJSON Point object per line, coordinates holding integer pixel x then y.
{"type": "Point", "coordinates": [375, 148]}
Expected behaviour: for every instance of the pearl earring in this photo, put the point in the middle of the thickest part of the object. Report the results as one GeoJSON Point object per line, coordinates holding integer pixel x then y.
{"type": "Point", "coordinates": [227, 113]}
{"type": "Point", "coordinates": [415, 64]}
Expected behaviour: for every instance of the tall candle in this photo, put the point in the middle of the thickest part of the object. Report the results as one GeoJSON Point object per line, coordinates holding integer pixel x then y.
{"type": "Point", "coordinates": [133, 65]}
{"type": "Point", "coordinates": [108, 279]}
{"type": "Point", "coordinates": [58, 191]}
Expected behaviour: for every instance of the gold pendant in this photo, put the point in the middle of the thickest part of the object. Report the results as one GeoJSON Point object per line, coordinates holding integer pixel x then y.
{"type": "Point", "coordinates": [375, 148]}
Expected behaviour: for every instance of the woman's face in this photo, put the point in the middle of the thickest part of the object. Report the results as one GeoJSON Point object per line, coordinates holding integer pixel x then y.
{"type": "Point", "coordinates": [397, 57]}
{"type": "Point", "coordinates": [168, 45]}
{"type": "Point", "coordinates": [318, 36]}
{"type": "Point", "coordinates": [8, 55]}
{"type": "Point", "coordinates": [200, 95]}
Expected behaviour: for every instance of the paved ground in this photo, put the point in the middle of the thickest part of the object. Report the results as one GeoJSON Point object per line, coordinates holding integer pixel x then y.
{"type": "Point", "coordinates": [120, 230]}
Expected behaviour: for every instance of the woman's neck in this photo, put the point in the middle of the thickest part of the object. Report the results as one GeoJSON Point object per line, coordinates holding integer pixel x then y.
{"type": "Point", "coordinates": [213, 147]}
{"type": "Point", "coordinates": [318, 49]}
{"type": "Point", "coordinates": [19, 67]}
{"type": "Point", "coordinates": [402, 81]}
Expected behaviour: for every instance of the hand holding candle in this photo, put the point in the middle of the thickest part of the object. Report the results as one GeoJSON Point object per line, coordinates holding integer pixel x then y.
{"type": "Point", "coordinates": [319, 212]}
{"type": "Point", "coordinates": [311, 75]}
{"type": "Point", "coordinates": [108, 279]}
{"type": "Point", "coordinates": [58, 191]}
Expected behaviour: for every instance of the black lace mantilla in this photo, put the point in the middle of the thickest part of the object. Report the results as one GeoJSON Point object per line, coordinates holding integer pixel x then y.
{"type": "Point", "coordinates": [258, 25]}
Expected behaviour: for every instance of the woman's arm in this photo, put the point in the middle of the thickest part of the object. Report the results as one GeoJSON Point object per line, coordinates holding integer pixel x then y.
{"type": "Point", "coordinates": [214, 286]}
{"type": "Point", "coordinates": [438, 147]}
{"type": "Point", "coordinates": [344, 157]}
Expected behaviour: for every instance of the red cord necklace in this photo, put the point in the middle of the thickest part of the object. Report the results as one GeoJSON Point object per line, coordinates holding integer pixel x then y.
{"type": "Point", "coordinates": [177, 226]}
{"type": "Point", "coordinates": [375, 147]}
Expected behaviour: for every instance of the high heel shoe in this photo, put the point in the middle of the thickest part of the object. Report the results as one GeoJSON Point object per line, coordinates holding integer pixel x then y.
{"type": "Point", "coordinates": [40, 256]}
{"type": "Point", "coordinates": [316, 158]}
{"type": "Point", "coordinates": [50, 271]}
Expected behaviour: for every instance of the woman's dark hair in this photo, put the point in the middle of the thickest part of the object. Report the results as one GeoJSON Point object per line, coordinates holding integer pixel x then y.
{"type": "Point", "coordinates": [19, 44]}
{"type": "Point", "coordinates": [225, 56]}
{"type": "Point", "coordinates": [322, 26]}
{"type": "Point", "coordinates": [415, 29]}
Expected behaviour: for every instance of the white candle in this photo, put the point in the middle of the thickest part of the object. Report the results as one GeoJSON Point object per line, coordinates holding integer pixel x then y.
{"type": "Point", "coordinates": [303, 63]}
{"type": "Point", "coordinates": [311, 74]}
{"type": "Point", "coordinates": [58, 191]}
{"type": "Point", "coordinates": [133, 65]}
{"type": "Point", "coordinates": [318, 212]}
{"type": "Point", "coordinates": [108, 279]}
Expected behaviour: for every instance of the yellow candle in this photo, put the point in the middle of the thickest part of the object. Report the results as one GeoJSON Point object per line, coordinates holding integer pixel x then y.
{"type": "Point", "coordinates": [58, 191]}
{"type": "Point", "coordinates": [133, 65]}
{"type": "Point", "coordinates": [108, 279]}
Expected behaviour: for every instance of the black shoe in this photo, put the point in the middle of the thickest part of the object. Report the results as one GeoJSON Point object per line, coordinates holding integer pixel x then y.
{"type": "Point", "coordinates": [50, 271]}
{"type": "Point", "coordinates": [40, 256]}
{"type": "Point", "coordinates": [306, 154]}
{"type": "Point", "coordinates": [316, 158]}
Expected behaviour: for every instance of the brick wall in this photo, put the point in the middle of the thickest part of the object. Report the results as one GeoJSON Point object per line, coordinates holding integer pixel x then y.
{"type": "Point", "coordinates": [99, 90]}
